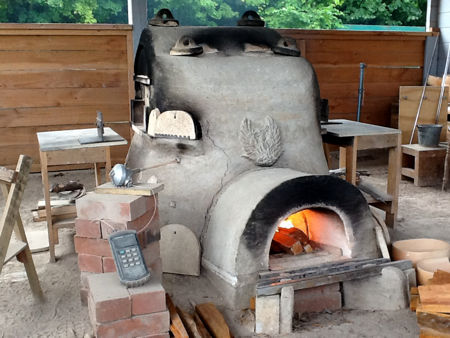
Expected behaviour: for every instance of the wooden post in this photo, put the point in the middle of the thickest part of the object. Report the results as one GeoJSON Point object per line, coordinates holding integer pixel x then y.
{"type": "Point", "coordinates": [394, 172]}
{"type": "Point", "coordinates": [48, 208]}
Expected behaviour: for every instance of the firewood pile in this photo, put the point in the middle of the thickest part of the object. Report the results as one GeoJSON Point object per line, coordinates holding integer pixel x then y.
{"type": "Point", "coordinates": [431, 302]}
{"type": "Point", "coordinates": [292, 241]}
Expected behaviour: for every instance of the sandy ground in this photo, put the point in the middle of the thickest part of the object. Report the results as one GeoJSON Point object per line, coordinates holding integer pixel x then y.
{"type": "Point", "coordinates": [423, 212]}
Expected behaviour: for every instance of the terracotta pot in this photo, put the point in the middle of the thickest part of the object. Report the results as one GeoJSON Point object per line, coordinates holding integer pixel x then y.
{"type": "Point", "coordinates": [427, 267]}
{"type": "Point", "coordinates": [420, 248]}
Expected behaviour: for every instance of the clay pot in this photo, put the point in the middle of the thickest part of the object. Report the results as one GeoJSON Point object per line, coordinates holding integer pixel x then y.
{"type": "Point", "coordinates": [427, 267]}
{"type": "Point", "coordinates": [419, 249]}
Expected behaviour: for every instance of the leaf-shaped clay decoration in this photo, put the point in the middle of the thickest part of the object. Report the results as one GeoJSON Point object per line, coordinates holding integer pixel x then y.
{"type": "Point", "coordinates": [261, 145]}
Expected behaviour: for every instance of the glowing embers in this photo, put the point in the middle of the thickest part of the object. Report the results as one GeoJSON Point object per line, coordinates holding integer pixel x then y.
{"type": "Point", "coordinates": [311, 230]}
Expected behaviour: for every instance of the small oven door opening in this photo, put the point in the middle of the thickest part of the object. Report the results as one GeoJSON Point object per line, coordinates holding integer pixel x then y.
{"type": "Point", "coordinates": [307, 236]}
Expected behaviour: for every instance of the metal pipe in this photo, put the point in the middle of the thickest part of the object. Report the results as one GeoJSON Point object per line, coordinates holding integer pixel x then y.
{"type": "Point", "coordinates": [423, 91]}
{"type": "Point", "coordinates": [438, 112]}
{"type": "Point", "coordinates": [362, 66]}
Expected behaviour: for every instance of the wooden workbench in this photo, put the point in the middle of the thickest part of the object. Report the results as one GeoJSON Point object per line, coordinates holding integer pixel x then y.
{"type": "Point", "coordinates": [62, 147]}
{"type": "Point", "coordinates": [352, 136]}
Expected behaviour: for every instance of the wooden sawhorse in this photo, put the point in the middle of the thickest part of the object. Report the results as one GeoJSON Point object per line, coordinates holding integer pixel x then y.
{"type": "Point", "coordinates": [13, 185]}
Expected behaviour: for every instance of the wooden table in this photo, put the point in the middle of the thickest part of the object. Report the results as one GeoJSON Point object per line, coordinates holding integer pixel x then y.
{"type": "Point", "coordinates": [352, 136]}
{"type": "Point", "coordinates": [62, 147]}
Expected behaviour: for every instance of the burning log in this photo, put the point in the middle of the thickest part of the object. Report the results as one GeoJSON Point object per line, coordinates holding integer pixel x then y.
{"type": "Point", "coordinates": [286, 243]}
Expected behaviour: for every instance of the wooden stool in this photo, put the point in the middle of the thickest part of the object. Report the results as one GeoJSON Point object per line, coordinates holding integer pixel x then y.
{"type": "Point", "coordinates": [425, 165]}
{"type": "Point", "coordinates": [13, 184]}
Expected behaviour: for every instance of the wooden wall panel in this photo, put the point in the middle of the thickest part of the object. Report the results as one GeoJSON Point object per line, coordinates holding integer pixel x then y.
{"type": "Point", "coordinates": [56, 77]}
{"type": "Point", "coordinates": [393, 59]}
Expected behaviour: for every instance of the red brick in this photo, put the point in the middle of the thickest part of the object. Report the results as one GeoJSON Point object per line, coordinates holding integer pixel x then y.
{"type": "Point", "coordinates": [108, 299]}
{"type": "Point", "coordinates": [327, 297]}
{"type": "Point", "coordinates": [148, 298]}
{"type": "Point", "coordinates": [120, 208]}
{"type": "Point", "coordinates": [108, 264]}
{"type": "Point", "coordinates": [137, 326]}
{"type": "Point", "coordinates": [90, 263]}
{"type": "Point", "coordinates": [155, 268]}
{"type": "Point", "coordinates": [92, 246]}
{"type": "Point", "coordinates": [146, 221]}
{"type": "Point", "coordinates": [87, 228]}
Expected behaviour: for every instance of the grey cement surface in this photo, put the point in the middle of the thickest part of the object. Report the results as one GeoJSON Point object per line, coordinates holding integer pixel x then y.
{"type": "Point", "coordinates": [423, 212]}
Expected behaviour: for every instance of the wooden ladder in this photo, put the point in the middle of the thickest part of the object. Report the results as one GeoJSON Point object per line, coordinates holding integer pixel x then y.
{"type": "Point", "coordinates": [13, 185]}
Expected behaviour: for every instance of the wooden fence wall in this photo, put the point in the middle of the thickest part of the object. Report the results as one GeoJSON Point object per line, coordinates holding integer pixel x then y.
{"type": "Point", "coordinates": [56, 76]}
{"type": "Point", "coordinates": [393, 59]}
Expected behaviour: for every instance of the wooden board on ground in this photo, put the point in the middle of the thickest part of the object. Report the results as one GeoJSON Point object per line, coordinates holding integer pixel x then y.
{"type": "Point", "coordinates": [409, 103]}
{"type": "Point", "coordinates": [440, 277]}
{"type": "Point", "coordinates": [141, 189]}
{"type": "Point", "coordinates": [435, 294]}
{"type": "Point", "coordinates": [189, 324]}
{"type": "Point", "coordinates": [201, 327]}
{"type": "Point", "coordinates": [213, 320]}
{"type": "Point", "coordinates": [433, 320]}
{"type": "Point", "coordinates": [37, 240]}
{"type": "Point", "coordinates": [176, 325]}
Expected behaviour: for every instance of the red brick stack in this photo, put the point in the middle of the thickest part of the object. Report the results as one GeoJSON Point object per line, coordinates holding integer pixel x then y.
{"type": "Point", "coordinates": [98, 215]}
{"type": "Point", "coordinates": [116, 311]}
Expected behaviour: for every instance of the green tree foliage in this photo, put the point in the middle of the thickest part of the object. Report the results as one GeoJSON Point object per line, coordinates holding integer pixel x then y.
{"type": "Point", "coordinates": [48, 11]}
{"type": "Point", "coordinates": [385, 12]}
{"type": "Point", "coordinates": [277, 13]}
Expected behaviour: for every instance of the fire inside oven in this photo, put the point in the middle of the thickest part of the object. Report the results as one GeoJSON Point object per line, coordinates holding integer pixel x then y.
{"type": "Point", "coordinates": [310, 231]}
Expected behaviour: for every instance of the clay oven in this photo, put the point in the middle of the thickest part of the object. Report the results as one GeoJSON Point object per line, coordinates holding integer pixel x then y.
{"type": "Point", "coordinates": [240, 108]}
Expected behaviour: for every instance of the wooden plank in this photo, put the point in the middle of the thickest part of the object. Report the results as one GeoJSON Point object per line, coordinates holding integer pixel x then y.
{"type": "Point", "coordinates": [350, 74]}
{"type": "Point", "coordinates": [176, 325]}
{"type": "Point", "coordinates": [433, 320]}
{"type": "Point", "coordinates": [59, 210]}
{"type": "Point", "coordinates": [189, 324]}
{"type": "Point", "coordinates": [350, 89]}
{"type": "Point", "coordinates": [213, 320]}
{"type": "Point", "coordinates": [58, 43]}
{"type": "Point", "coordinates": [63, 78]}
{"type": "Point", "coordinates": [40, 60]}
{"type": "Point", "coordinates": [434, 294]}
{"type": "Point", "coordinates": [352, 35]}
{"type": "Point", "coordinates": [355, 57]}
{"type": "Point", "coordinates": [65, 27]}
{"type": "Point", "coordinates": [58, 97]}
{"type": "Point", "coordinates": [139, 189]}
{"type": "Point", "coordinates": [414, 301]}
{"type": "Point", "coordinates": [408, 105]}
{"type": "Point", "coordinates": [440, 308]}
{"type": "Point", "coordinates": [14, 248]}
{"type": "Point", "coordinates": [76, 156]}
{"type": "Point", "coordinates": [7, 175]}
{"type": "Point", "coordinates": [200, 326]}
{"type": "Point", "coordinates": [70, 115]}
{"type": "Point", "coordinates": [440, 277]}
{"type": "Point", "coordinates": [364, 45]}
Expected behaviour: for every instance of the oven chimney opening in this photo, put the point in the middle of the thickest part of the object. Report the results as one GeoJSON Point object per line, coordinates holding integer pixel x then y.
{"type": "Point", "coordinates": [310, 231]}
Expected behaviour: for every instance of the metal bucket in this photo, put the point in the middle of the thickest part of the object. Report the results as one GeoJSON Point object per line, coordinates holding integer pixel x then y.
{"type": "Point", "coordinates": [429, 134]}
